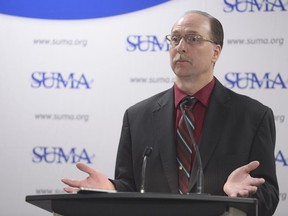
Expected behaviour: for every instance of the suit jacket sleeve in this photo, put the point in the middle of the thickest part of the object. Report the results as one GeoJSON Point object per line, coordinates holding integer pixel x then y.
{"type": "Point", "coordinates": [124, 178]}
{"type": "Point", "coordinates": [263, 150]}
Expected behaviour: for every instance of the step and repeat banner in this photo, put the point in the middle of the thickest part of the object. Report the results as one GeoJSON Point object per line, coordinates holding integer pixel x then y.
{"type": "Point", "coordinates": [70, 68]}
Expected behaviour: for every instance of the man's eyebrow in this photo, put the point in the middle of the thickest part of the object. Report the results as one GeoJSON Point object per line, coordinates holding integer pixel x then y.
{"type": "Point", "coordinates": [192, 32]}
{"type": "Point", "coordinates": [187, 32]}
{"type": "Point", "coordinates": [175, 32]}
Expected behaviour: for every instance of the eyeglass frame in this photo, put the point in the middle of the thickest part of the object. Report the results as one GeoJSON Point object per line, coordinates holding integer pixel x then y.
{"type": "Point", "coordinates": [199, 39]}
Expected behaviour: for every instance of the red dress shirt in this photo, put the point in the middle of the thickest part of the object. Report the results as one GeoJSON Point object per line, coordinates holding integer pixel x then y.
{"type": "Point", "coordinates": [200, 108]}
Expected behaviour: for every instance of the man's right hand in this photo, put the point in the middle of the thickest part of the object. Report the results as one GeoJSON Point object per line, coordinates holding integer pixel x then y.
{"type": "Point", "coordinates": [95, 180]}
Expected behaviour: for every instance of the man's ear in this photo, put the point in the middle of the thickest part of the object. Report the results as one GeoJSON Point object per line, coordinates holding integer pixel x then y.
{"type": "Point", "coordinates": [217, 52]}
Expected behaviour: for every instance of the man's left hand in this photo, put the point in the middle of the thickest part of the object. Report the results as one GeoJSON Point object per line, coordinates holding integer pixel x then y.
{"type": "Point", "coordinates": [240, 183]}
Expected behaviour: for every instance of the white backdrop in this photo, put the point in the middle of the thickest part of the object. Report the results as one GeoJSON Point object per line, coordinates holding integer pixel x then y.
{"type": "Point", "coordinates": [65, 84]}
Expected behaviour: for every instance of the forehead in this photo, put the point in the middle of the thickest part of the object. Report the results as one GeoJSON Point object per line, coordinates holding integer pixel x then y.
{"type": "Point", "coordinates": [192, 23]}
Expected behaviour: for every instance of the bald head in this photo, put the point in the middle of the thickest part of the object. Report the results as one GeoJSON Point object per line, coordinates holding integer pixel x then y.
{"type": "Point", "coordinates": [215, 27]}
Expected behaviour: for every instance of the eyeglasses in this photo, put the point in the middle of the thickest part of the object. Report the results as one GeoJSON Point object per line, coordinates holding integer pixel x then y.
{"type": "Point", "coordinates": [191, 39]}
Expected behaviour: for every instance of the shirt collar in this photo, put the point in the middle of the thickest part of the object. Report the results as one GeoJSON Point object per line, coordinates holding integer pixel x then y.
{"type": "Point", "coordinates": [203, 95]}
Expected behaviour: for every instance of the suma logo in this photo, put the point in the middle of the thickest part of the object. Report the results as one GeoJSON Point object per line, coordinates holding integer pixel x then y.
{"type": "Point", "coordinates": [57, 155]}
{"type": "Point", "coordinates": [146, 43]}
{"type": "Point", "coordinates": [254, 6]}
{"type": "Point", "coordinates": [251, 80]}
{"type": "Point", "coordinates": [56, 80]}
{"type": "Point", "coordinates": [281, 159]}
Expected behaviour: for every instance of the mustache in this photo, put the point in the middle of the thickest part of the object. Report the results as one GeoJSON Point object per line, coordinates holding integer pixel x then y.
{"type": "Point", "coordinates": [181, 58]}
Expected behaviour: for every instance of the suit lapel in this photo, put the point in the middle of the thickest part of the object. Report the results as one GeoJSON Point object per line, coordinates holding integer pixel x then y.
{"type": "Point", "coordinates": [164, 131]}
{"type": "Point", "coordinates": [212, 129]}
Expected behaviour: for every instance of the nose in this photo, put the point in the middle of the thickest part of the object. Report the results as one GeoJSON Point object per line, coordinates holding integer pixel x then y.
{"type": "Point", "coordinates": [182, 46]}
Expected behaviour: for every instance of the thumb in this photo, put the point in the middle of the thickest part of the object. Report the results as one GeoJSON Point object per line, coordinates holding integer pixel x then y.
{"type": "Point", "coordinates": [251, 166]}
{"type": "Point", "coordinates": [85, 168]}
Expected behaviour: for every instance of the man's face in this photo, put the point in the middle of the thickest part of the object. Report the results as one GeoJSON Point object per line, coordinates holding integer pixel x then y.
{"type": "Point", "coordinates": [190, 60]}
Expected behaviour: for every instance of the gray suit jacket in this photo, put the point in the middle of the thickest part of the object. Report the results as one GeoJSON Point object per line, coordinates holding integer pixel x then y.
{"type": "Point", "coordinates": [236, 131]}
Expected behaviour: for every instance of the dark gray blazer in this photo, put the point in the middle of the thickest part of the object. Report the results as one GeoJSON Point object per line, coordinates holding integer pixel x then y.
{"type": "Point", "coordinates": [236, 131]}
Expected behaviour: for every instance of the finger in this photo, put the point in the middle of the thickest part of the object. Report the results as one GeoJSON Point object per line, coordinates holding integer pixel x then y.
{"type": "Point", "coordinates": [251, 189]}
{"type": "Point", "coordinates": [71, 189]}
{"type": "Point", "coordinates": [233, 195]}
{"type": "Point", "coordinates": [247, 191]}
{"type": "Point", "coordinates": [243, 193]}
{"type": "Point", "coordinates": [257, 181]}
{"type": "Point", "coordinates": [83, 167]}
{"type": "Point", "coordinates": [240, 193]}
{"type": "Point", "coordinates": [71, 183]}
{"type": "Point", "coordinates": [251, 166]}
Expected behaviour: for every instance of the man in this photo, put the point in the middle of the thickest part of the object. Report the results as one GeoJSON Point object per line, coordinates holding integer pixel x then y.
{"type": "Point", "coordinates": [235, 134]}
